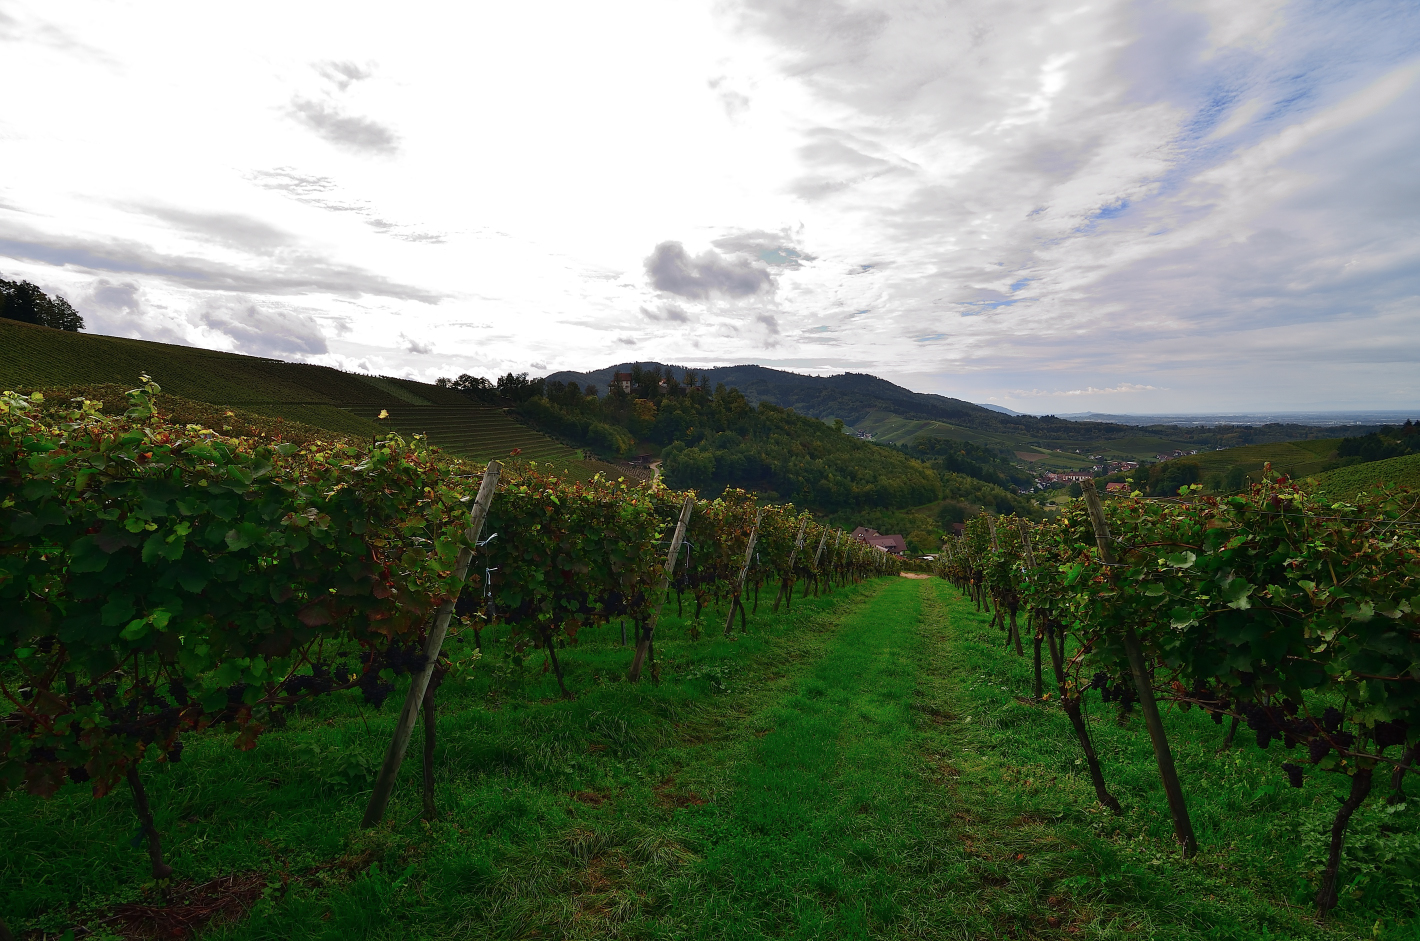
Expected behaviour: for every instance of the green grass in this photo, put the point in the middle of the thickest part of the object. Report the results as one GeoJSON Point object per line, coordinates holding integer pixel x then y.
{"type": "Point", "coordinates": [1261, 842]}
{"type": "Point", "coordinates": [514, 843]}
{"type": "Point", "coordinates": [869, 766]}
{"type": "Point", "coordinates": [1346, 482]}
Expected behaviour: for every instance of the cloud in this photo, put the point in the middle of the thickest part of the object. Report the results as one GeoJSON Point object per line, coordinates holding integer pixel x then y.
{"type": "Point", "coordinates": [264, 332]}
{"type": "Point", "coordinates": [321, 192]}
{"type": "Point", "coordinates": [343, 74]}
{"type": "Point", "coordinates": [673, 271]}
{"type": "Point", "coordinates": [735, 103]}
{"type": "Point", "coordinates": [288, 272]}
{"type": "Point", "coordinates": [1113, 390]}
{"type": "Point", "coordinates": [117, 308]}
{"type": "Point", "coordinates": [775, 249]}
{"type": "Point", "coordinates": [404, 232]}
{"type": "Point", "coordinates": [305, 187]}
{"type": "Point", "coordinates": [232, 230]}
{"type": "Point", "coordinates": [414, 346]}
{"type": "Point", "coordinates": [673, 313]}
{"type": "Point", "coordinates": [350, 132]}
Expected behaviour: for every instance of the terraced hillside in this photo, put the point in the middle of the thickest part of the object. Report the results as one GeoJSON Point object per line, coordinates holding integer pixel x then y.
{"type": "Point", "coordinates": [40, 358]}
{"type": "Point", "coordinates": [1345, 482]}
{"type": "Point", "coordinates": [471, 430]}
{"type": "Point", "coordinates": [1293, 458]}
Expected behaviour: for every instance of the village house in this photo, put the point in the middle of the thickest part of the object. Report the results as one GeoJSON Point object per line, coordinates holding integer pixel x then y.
{"type": "Point", "coordinates": [622, 381]}
{"type": "Point", "coordinates": [894, 545]}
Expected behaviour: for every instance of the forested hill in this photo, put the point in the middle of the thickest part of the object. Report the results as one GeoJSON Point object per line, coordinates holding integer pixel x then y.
{"type": "Point", "coordinates": [849, 396]}
{"type": "Point", "coordinates": [710, 440]}
{"type": "Point", "coordinates": [860, 399]}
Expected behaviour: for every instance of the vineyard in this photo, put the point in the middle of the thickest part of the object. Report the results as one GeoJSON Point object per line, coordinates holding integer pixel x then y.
{"type": "Point", "coordinates": [165, 581]}
{"type": "Point", "coordinates": [1297, 618]}
{"type": "Point", "coordinates": [101, 367]}
{"type": "Point", "coordinates": [636, 712]}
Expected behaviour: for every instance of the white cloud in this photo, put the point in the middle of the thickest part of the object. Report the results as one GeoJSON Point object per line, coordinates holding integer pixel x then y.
{"type": "Point", "coordinates": [1204, 203]}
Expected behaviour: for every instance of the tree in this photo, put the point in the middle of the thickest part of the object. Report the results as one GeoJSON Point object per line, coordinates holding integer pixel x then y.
{"type": "Point", "coordinates": [22, 301]}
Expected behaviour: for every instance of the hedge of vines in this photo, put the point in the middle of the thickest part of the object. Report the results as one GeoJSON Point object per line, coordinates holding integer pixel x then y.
{"type": "Point", "coordinates": [1274, 609]}
{"type": "Point", "coordinates": [161, 579]}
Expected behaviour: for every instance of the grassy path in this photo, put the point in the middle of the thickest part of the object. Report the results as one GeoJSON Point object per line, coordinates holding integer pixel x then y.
{"type": "Point", "coordinates": [809, 839]}
{"type": "Point", "coordinates": [869, 766]}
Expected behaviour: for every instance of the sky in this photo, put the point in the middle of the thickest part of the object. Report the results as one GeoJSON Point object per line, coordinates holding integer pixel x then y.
{"type": "Point", "coordinates": [1057, 207]}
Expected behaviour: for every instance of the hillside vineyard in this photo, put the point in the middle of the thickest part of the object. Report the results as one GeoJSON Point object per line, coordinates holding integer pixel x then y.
{"type": "Point", "coordinates": [164, 580]}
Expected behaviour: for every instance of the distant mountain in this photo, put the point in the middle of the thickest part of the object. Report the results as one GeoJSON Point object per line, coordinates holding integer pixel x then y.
{"type": "Point", "coordinates": [858, 398]}
{"type": "Point", "coordinates": [849, 396]}
{"type": "Point", "coordinates": [1338, 419]}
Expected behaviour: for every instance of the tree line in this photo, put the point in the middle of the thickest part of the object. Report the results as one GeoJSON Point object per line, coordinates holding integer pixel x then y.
{"type": "Point", "coordinates": [25, 302]}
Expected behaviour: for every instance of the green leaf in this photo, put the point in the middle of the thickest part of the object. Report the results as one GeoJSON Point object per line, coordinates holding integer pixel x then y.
{"type": "Point", "coordinates": [1236, 591]}
{"type": "Point", "coordinates": [135, 630]}
{"type": "Point", "coordinates": [118, 609]}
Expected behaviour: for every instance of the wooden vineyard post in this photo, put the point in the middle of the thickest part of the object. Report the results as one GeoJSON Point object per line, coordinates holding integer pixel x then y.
{"type": "Point", "coordinates": [817, 555]}
{"type": "Point", "coordinates": [643, 642]}
{"type": "Point", "coordinates": [737, 599]}
{"type": "Point", "coordinates": [419, 682]}
{"type": "Point", "coordinates": [787, 585]}
{"type": "Point", "coordinates": [1134, 650]}
{"type": "Point", "coordinates": [1039, 632]}
{"type": "Point", "coordinates": [430, 730]}
{"type": "Point", "coordinates": [1071, 705]}
{"type": "Point", "coordinates": [828, 575]}
{"type": "Point", "coordinates": [160, 869]}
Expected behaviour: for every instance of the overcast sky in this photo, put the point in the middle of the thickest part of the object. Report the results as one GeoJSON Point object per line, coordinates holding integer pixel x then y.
{"type": "Point", "coordinates": [1053, 206]}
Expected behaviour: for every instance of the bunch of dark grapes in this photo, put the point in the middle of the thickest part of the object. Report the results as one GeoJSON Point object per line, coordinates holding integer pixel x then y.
{"type": "Point", "coordinates": [1331, 720]}
{"type": "Point", "coordinates": [404, 658]}
{"type": "Point", "coordinates": [1389, 733]}
{"type": "Point", "coordinates": [375, 690]}
{"type": "Point", "coordinates": [1294, 774]}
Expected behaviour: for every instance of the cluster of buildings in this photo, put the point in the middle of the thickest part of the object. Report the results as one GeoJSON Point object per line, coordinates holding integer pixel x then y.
{"type": "Point", "coordinates": [893, 545]}
{"type": "Point", "coordinates": [1065, 477]}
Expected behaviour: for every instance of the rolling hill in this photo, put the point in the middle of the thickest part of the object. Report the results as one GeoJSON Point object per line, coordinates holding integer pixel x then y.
{"type": "Point", "coordinates": [1344, 483]}
{"type": "Point", "coordinates": [894, 415]}
{"type": "Point", "coordinates": [33, 357]}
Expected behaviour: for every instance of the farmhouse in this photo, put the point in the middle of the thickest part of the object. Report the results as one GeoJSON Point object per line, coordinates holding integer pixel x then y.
{"type": "Point", "coordinates": [895, 545]}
